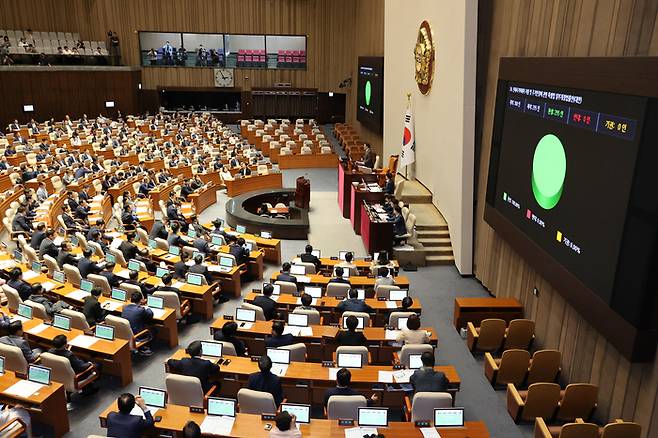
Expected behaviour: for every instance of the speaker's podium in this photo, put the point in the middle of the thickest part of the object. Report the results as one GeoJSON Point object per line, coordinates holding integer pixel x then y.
{"type": "Point", "coordinates": [376, 229]}
{"type": "Point", "coordinates": [347, 174]}
{"type": "Point", "coordinates": [303, 193]}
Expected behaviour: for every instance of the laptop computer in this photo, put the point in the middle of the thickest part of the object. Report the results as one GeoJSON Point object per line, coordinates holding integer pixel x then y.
{"type": "Point", "coordinates": [211, 349]}
{"type": "Point", "coordinates": [194, 279]}
{"type": "Point", "coordinates": [153, 397]}
{"type": "Point", "coordinates": [191, 233]}
{"type": "Point", "coordinates": [279, 355]}
{"type": "Point", "coordinates": [298, 270]}
{"type": "Point", "coordinates": [245, 315]}
{"type": "Point", "coordinates": [373, 417]}
{"type": "Point", "coordinates": [118, 294]}
{"type": "Point", "coordinates": [153, 244]}
{"type": "Point", "coordinates": [349, 360]}
{"type": "Point", "coordinates": [38, 374]}
{"type": "Point", "coordinates": [134, 265]}
{"type": "Point", "coordinates": [155, 302]}
{"type": "Point", "coordinates": [301, 412]}
{"type": "Point", "coordinates": [18, 256]}
{"type": "Point", "coordinates": [448, 417]}
{"type": "Point", "coordinates": [61, 322]}
{"type": "Point", "coordinates": [105, 332]}
{"type": "Point", "coordinates": [216, 239]}
{"type": "Point", "coordinates": [161, 272]}
{"type": "Point", "coordinates": [2, 365]}
{"type": "Point", "coordinates": [298, 319]}
{"type": "Point", "coordinates": [59, 276]}
{"type": "Point", "coordinates": [36, 267]}
{"type": "Point", "coordinates": [240, 229]}
{"type": "Point", "coordinates": [225, 264]}
{"type": "Point", "coordinates": [110, 258]}
{"type": "Point", "coordinates": [414, 361]}
{"type": "Point", "coordinates": [346, 273]}
{"type": "Point", "coordinates": [174, 250]}
{"type": "Point", "coordinates": [220, 406]}
{"type": "Point", "coordinates": [86, 285]}
{"type": "Point", "coordinates": [341, 255]}
{"type": "Point", "coordinates": [24, 311]}
{"type": "Point", "coordinates": [398, 294]}
{"type": "Point", "coordinates": [313, 291]}
{"type": "Point", "coordinates": [402, 323]}
{"type": "Point", "coordinates": [316, 252]}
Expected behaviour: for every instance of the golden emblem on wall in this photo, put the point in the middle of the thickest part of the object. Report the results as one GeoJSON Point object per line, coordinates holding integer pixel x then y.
{"type": "Point", "coordinates": [424, 57]}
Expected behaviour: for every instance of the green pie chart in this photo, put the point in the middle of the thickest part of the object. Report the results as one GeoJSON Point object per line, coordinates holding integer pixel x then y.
{"type": "Point", "coordinates": [549, 167]}
{"type": "Point", "coordinates": [368, 92]}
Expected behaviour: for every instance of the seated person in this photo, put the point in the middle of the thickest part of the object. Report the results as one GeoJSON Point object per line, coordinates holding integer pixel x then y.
{"type": "Point", "coordinates": [181, 268]}
{"type": "Point", "coordinates": [399, 226]}
{"type": "Point", "coordinates": [201, 244]}
{"type": "Point", "coordinates": [348, 262]}
{"type": "Point", "coordinates": [412, 334]}
{"type": "Point", "coordinates": [351, 336]}
{"type": "Point", "coordinates": [382, 260]}
{"type": "Point", "coordinates": [108, 272]}
{"type": "Point", "coordinates": [237, 249]}
{"type": "Point", "coordinates": [265, 381]}
{"type": "Point", "coordinates": [228, 334]}
{"type": "Point", "coordinates": [64, 256]}
{"type": "Point", "coordinates": [47, 245]}
{"type": "Point", "coordinates": [426, 378]}
{"type": "Point", "coordinates": [140, 318]}
{"type": "Point", "coordinates": [15, 338]}
{"type": "Point", "coordinates": [199, 268]}
{"type": "Point", "coordinates": [128, 247]}
{"type": "Point", "coordinates": [191, 430]}
{"type": "Point", "coordinates": [174, 239]}
{"type": "Point", "coordinates": [308, 257]}
{"type": "Point", "coordinates": [285, 426]}
{"type": "Point", "coordinates": [306, 301]}
{"type": "Point", "coordinates": [123, 423]}
{"type": "Point", "coordinates": [343, 379]}
{"type": "Point", "coordinates": [407, 302]}
{"type": "Point", "coordinates": [383, 277]}
{"type": "Point", "coordinates": [265, 302]}
{"type": "Point", "coordinates": [195, 366]}
{"type": "Point", "coordinates": [277, 338]}
{"type": "Point", "coordinates": [60, 349]}
{"type": "Point", "coordinates": [353, 304]}
{"type": "Point", "coordinates": [389, 186]}
{"type": "Point", "coordinates": [133, 278]}
{"type": "Point", "coordinates": [86, 266]}
{"type": "Point", "coordinates": [92, 309]}
{"type": "Point", "coordinates": [166, 285]}
{"type": "Point", "coordinates": [285, 275]}
{"type": "Point", "coordinates": [338, 278]}
{"type": "Point", "coordinates": [16, 281]}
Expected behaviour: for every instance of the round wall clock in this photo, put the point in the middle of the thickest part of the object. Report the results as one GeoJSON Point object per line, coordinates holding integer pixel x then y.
{"type": "Point", "coordinates": [424, 57]}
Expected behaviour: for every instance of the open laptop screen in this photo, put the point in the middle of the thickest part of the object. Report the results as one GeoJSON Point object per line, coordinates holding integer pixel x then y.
{"type": "Point", "coordinates": [449, 417]}
{"type": "Point", "coordinates": [301, 412]}
{"type": "Point", "coordinates": [279, 355]}
{"type": "Point", "coordinates": [221, 406]}
{"type": "Point", "coordinates": [156, 398]}
{"type": "Point", "coordinates": [349, 360]}
{"type": "Point", "coordinates": [210, 348]}
{"type": "Point", "coordinates": [373, 417]}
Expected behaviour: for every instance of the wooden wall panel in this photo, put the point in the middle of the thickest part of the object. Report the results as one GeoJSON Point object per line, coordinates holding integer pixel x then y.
{"type": "Point", "coordinates": [564, 28]}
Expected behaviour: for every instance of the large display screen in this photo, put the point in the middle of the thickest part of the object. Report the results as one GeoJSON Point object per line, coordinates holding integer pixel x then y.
{"type": "Point", "coordinates": [370, 93]}
{"type": "Point", "coordinates": [564, 174]}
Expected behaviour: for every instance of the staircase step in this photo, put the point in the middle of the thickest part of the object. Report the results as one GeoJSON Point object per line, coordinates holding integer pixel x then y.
{"type": "Point", "coordinates": [431, 227]}
{"type": "Point", "coordinates": [433, 241]}
{"type": "Point", "coordinates": [433, 234]}
{"type": "Point", "coordinates": [435, 260]}
{"type": "Point", "coordinates": [438, 251]}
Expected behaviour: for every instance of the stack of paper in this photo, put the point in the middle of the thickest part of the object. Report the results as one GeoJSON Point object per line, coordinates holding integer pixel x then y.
{"type": "Point", "coordinates": [360, 432]}
{"type": "Point", "coordinates": [78, 295]}
{"type": "Point", "coordinates": [279, 369]}
{"type": "Point", "coordinates": [402, 376]}
{"type": "Point", "coordinates": [48, 285]}
{"type": "Point", "coordinates": [38, 329]}
{"type": "Point", "coordinates": [385, 377]}
{"type": "Point", "coordinates": [29, 275]}
{"type": "Point", "coordinates": [391, 335]}
{"type": "Point", "coordinates": [158, 313]}
{"type": "Point", "coordinates": [83, 341]}
{"type": "Point", "coordinates": [177, 284]}
{"type": "Point", "coordinates": [391, 305]}
{"type": "Point", "coordinates": [217, 425]}
{"type": "Point", "coordinates": [430, 432]}
{"type": "Point", "coordinates": [332, 373]}
{"type": "Point", "coordinates": [112, 305]}
{"type": "Point", "coordinates": [138, 411]}
{"type": "Point", "coordinates": [23, 388]}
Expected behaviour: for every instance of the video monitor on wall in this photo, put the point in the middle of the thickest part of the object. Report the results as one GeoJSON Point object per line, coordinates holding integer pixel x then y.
{"type": "Point", "coordinates": [566, 188]}
{"type": "Point", "coordinates": [245, 51]}
{"type": "Point", "coordinates": [370, 93]}
{"type": "Point", "coordinates": [204, 49]}
{"type": "Point", "coordinates": [286, 51]}
{"type": "Point", "coordinates": [160, 48]}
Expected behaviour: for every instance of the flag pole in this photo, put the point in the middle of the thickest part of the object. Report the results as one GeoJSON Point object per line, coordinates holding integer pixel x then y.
{"type": "Point", "coordinates": [406, 167]}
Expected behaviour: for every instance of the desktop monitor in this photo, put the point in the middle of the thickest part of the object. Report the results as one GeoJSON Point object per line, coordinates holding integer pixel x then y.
{"type": "Point", "coordinates": [153, 244]}
{"type": "Point", "coordinates": [241, 229]}
{"type": "Point", "coordinates": [316, 252]}
{"type": "Point", "coordinates": [349, 360]}
{"type": "Point", "coordinates": [195, 279]}
{"type": "Point", "coordinates": [36, 267]}
{"type": "Point", "coordinates": [110, 258]}
{"type": "Point", "coordinates": [246, 315]}
{"type": "Point", "coordinates": [59, 276]}
{"type": "Point", "coordinates": [279, 355]}
{"type": "Point", "coordinates": [18, 256]}
{"type": "Point", "coordinates": [61, 322]}
{"type": "Point", "coordinates": [2, 365]}
{"type": "Point", "coordinates": [221, 406]}
{"type": "Point", "coordinates": [28, 108]}
{"type": "Point", "coordinates": [361, 319]}
{"type": "Point", "coordinates": [161, 272]}
{"type": "Point", "coordinates": [298, 319]}
{"type": "Point", "coordinates": [74, 241]}
{"type": "Point", "coordinates": [191, 233]}
{"type": "Point", "coordinates": [298, 270]}
{"type": "Point", "coordinates": [402, 323]}
{"type": "Point", "coordinates": [174, 250]}
{"type": "Point", "coordinates": [248, 246]}
{"type": "Point", "coordinates": [38, 374]}
{"type": "Point", "coordinates": [313, 291]}
{"type": "Point", "coordinates": [415, 362]}
{"type": "Point", "coordinates": [216, 239]}
{"type": "Point", "coordinates": [226, 262]}
{"type": "Point", "coordinates": [103, 331]}
{"type": "Point", "coordinates": [341, 255]}
{"type": "Point", "coordinates": [153, 397]}
{"type": "Point", "coordinates": [448, 417]}
{"type": "Point", "coordinates": [25, 311]}
{"type": "Point", "coordinates": [118, 294]}
{"type": "Point", "coordinates": [86, 285]}
{"type": "Point", "coordinates": [155, 302]}
{"type": "Point", "coordinates": [134, 265]}
{"type": "Point", "coordinates": [301, 412]}
{"type": "Point", "coordinates": [398, 294]}
{"type": "Point", "coordinates": [266, 234]}
{"type": "Point", "coordinates": [211, 348]}
{"type": "Point", "coordinates": [373, 417]}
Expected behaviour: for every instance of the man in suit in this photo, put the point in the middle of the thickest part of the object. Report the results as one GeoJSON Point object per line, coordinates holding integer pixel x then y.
{"type": "Point", "coordinates": [343, 379]}
{"type": "Point", "coordinates": [92, 309]}
{"type": "Point", "coordinates": [426, 378]}
{"type": "Point", "coordinates": [353, 304]}
{"type": "Point", "coordinates": [128, 248]}
{"type": "Point", "coordinates": [201, 244]}
{"type": "Point", "coordinates": [59, 348]}
{"type": "Point", "coordinates": [228, 333]}
{"type": "Point", "coordinates": [285, 275]}
{"type": "Point", "coordinates": [159, 229]}
{"type": "Point", "coordinates": [265, 302]}
{"type": "Point", "coordinates": [174, 239]}
{"type": "Point", "coordinates": [97, 227]}
{"type": "Point", "coordinates": [399, 227]}
{"type": "Point", "coordinates": [338, 278]}
{"type": "Point", "coordinates": [86, 266]}
{"type": "Point", "coordinates": [16, 339]}
{"type": "Point", "coordinates": [133, 278]}
{"type": "Point", "coordinates": [38, 236]}
{"type": "Point", "coordinates": [108, 272]}
{"type": "Point", "coordinates": [47, 245]}
{"type": "Point", "coordinates": [368, 157]}
{"type": "Point", "coordinates": [122, 423]}
{"type": "Point", "coordinates": [166, 284]}
{"type": "Point", "coordinates": [237, 249]}
{"type": "Point", "coordinates": [181, 268]}
{"type": "Point", "coordinates": [348, 262]}
{"type": "Point", "coordinates": [389, 186]}
{"type": "Point", "coordinates": [266, 381]}
{"type": "Point", "coordinates": [21, 222]}
{"type": "Point", "coordinates": [308, 257]}
{"type": "Point", "coordinates": [351, 336]}
{"type": "Point", "coordinates": [195, 366]}
{"type": "Point", "coordinates": [64, 256]}
{"type": "Point", "coordinates": [199, 268]}
{"type": "Point", "coordinates": [277, 338]}
{"type": "Point", "coordinates": [82, 212]}
{"type": "Point", "coordinates": [16, 281]}
{"type": "Point", "coordinates": [139, 318]}
{"type": "Point", "coordinates": [69, 222]}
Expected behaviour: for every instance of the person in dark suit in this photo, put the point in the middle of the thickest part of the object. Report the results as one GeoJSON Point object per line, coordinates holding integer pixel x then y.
{"type": "Point", "coordinates": [86, 266]}
{"type": "Point", "coordinates": [82, 212]}
{"type": "Point", "coordinates": [15, 338]}
{"type": "Point", "coordinates": [38, 236]}
{"type": "Point", "coordinates": [339, 271]}
{"type": "Point", "coordinates": [21, 222]}
{"type": "Point", "coordinates": [426, 378]}
{"type": "Point", "coordinates": [201, 244]}
{"type": "Point", "coordinates": [237, 249]}
{"type": "Point", "coordinates": [139, 318]}
{"type": "Point", "coordinates": [128, 247]}
{"type": "Point", "coordinates": [180, 268]}
{"type": "Point", "coordinates": [265, 302]}
{"type": "Point", "coordinates": [285, 275]}
{"type": "Point", "coordinates": [199, 268]}
{"type": "Point", "coordinates": [69, 222]}
{"type": "Point", "coordinates": [166, 285]}
{"type": "Point", "coordinates": [368, 157]}
{"type": "Point", "coordinates": [108, 272]}
{"type": "Point", "coordinates": [92, 309]}
{"type": "Point", "coordinates": [16, 281]}
{"type": "Point", "coordinates": [133, 278]}
{"type": "Point", "coordinates": [351, 336]}
{"type": "Point", "coordinates": [124, 424]}
{"type": "Point", "coordinates": [265, 381]}
{"type": "Point", "coordinates": [353, 304]}
{"type": "Point", "coordinates": [65, 257]}
{"type": "Point", "coordinates": [59, 348]}
{"type": "Point", "coordinates": [228, 334]}
{"type": "Point", "coordinates": [308, 257]}
{"type": "Point", "coordinates": [47, 245]}
{"type": "Point", "coordinates": [389, 186]}
{"type": "Point", "coordinates": [399, 227]}
{"type": "Point", "coordinates": [277, 338]}
{"type": "Point", "coordinates": [159, 229]}
{"type": "Point", "coordinates": [343, 379]}
{"type": "Point", "coordinates": [173, 239]}
{"type": "Point", "coordinates": [195, 366]}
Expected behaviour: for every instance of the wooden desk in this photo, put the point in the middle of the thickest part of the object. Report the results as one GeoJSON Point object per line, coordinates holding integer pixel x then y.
{"type": "Point", "coordinates": [345, 178]}
{"type": "Point", "coordinates": [321, 344]}
{"type": "Point", "coordinates": [476, 309]}
{"type": "Point", "coordinates": [358, 196]}
{"type": "Point", "coordinates": [299, 161]}
{"type": "Point", "coordinates": [175, 417]}
{"type": "Point", "coordinates": [47, 406]}
{"type": "Point", "coordinates": [271, 247]}
{"type": "Point", "coordinates": [255, 182]}
{"type": "Point", "coordinates": [163, 191]}
{"type": "Point", "coordinates": [204, 199]}
{"type": "Point", "coordinates": [355, 281]}
{"type": "Point", "coordinates": [377, 235]}
{"type": "Point", "coordinates": [306, 382]}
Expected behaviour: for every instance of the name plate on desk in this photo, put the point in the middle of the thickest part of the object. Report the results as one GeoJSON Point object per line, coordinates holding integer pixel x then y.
{"type": "Point", "coordinates": [267, 417]}
{"type": "Point", "coordinates": [345, 422]}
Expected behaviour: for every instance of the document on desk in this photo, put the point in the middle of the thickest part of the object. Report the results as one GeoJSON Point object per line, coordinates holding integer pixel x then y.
{"type": "Point", "coordinates": [391, 305]}
{"type": "Point", "coordinates": [385, 377]}
{"type": "Point", "coordinates": [6, 264]}
{"type": "Point", "coordinates": [217, 425]}
{"type": "Point", "coordinates": [306, 331]}
{"type": "Point", "coordinates": [279, 369]}
{"type": "Point", "coordinates": [138, 411]}
{"type": "Point", "coordinates": [402, 376]}
{"type": "Point", "coordinates": [58, 240]}
{"type": "Point", "coordinates": [37, 329]}
{"type": "Point", "coordinates": [360, 432]}
{"type": "Point", "coordinates": [48, 285]}
{"type": "Point", "coordinates": [112, 305]}
{"type": "Point", "coordinates": [78, 295]}
{"type": "Point", "coordinates": [429, 432]}
{"type": "Point", "coordinates": [177, 284]}
{"type": "Point", "coordinates": [332, 373]}
{"type": "Point", "coordinates": [23, 388]}
{"type": "Point", "coordinates": [116, 242]}
{"type": "Point", "coordinates": [29, 275]}
{"type": "Point", "coordinates": [158, 313]}
{"type": "Point", "coordinates": [291, 330]}
{"type": "Point", "coordinates": [83, 341]}
{"type": "Point", "coordinates": [303, 279]}
{"type": "Point", "coordinates": [391, 335]}
{"type": "Point", "coordinates": [124, 273]}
